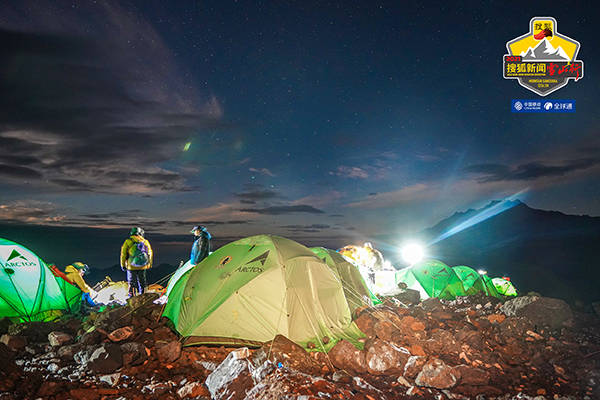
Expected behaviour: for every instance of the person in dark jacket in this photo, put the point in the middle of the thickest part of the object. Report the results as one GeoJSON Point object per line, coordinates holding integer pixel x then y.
{"type": "Point", "coordinates": [201, 246]}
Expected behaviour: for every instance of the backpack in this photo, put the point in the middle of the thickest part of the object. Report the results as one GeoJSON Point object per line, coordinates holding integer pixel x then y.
{"type": "Point", "coordinates": [140, 256]}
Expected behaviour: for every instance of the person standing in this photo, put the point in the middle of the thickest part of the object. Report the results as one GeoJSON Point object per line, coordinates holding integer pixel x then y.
{"type": "Point", "coordinates": [201, 246]}
{"type": "Point", "coordinates": [136, 259]}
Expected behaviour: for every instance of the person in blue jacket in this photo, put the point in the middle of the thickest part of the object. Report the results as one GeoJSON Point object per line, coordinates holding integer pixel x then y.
{"type": "Point", "coordinates": [201, 246]}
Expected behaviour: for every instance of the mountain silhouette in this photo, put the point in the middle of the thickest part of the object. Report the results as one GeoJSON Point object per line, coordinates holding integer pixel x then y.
{"type": "Point", "coordinates": [545, 51]}
{"type": "Point", "coordinates": [544, 251]}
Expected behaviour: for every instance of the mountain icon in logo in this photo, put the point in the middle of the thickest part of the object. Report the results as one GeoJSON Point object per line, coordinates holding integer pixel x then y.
{"type": "Point", "coordinates": [15, 254]}
{"type": "Point", "coordinates": [546, 52]}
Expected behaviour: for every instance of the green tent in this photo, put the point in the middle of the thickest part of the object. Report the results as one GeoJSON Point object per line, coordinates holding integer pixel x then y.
{"type": "Point", "coordinates": [28, 289]}
{"type": "Point", "coordinates": [473, 282]}
{"type": "Point", "coordinates": [432, 278]}
{"type": "Point", "coordinates": [355, 289]}
{"type": "Point", "coordinates": [250, 290]}
{"type": "Point", "coordinates": [504, 287]}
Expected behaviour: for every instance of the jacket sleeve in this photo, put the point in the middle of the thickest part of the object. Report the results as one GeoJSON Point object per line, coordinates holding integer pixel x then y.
{"type": "Point", "coordinates": [205, 246]}
{"type": "Point", "coordinates": [195, 253]}
{"type": "Point", "coordinates": [125, 253]}
{"type": "Point", "coordinates": [81, 283]}
{"type": "Point", "coordinates": [150, 252]}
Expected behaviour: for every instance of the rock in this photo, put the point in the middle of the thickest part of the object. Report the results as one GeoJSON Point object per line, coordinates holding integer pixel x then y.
{"type": "Point", "coordinates": [4, 324]}
{"type": "Point", "coordinates": [113, 319]}
{"type": "Point", "coordinates": [157, 389]}
{"type": "Point", "coordinates": [143, 300]}
{"type": "Point", "coordinates": [89, 338]}
{"type": "Point", "coordinates": [134, 353]}
{"type": "Point", "coordinates": [105, 359]}
{"type": "Point", "coordinates": [83, 356]}
{"type": "Point", "coordinates": [291, 355]}
{"type": "Point", "coordinates": [442, 342]}
{"type": "Point", "coordinates": [347, 357]}
{"type": "Point", "coordinates": [231, 379]}
{"type": "Point", "coordinates": [33, 332]}
{"type": "Point", "coordinates": [541, 311]}
{"type": "Point", "coordinates": [48, 389]}
{"type": "Point", "coordinates": [8, 359]}
{"type": "Point", "coordinates": [408, 296]}
{"type": "Point", "coordinates": [168, 352]}
{"type": "Point", "coordinates": [366, 323]}
{"type": "Point", "coordinates": [472, 376]}
{"type": "Point", "coordinates": [59, 338]}
{"type": "Point", "coordinates": [84, 394]}
{"type": "Point", "coordinates": [383, 330]}
{"type": "Point", "coordinates": [413, 366]}
{"type": "Point", "coordinates": [496, 318]}
{"type": "Point", "coordinates": [118, 335]}
{"type": "Point", "coordinates": [192, 390]}
{"type": "Point", "coordinates": [164, 334]}
{"type": "Point", "coordinates": [595, 307]}
{"type": "Point", "coordinates": [436, 374]}
{"type": "Point", "coordinates": [14, 343]}
{"type": "Point", "coordinates": [385, 358]}
{"type": "Point", "coordinates": [111, 379]}
{"type": "Point", "coordinates": [68, 352]}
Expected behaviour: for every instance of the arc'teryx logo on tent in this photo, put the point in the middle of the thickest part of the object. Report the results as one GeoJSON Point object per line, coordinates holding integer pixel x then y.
{"type": "Point", "coordinates": [16, 259]}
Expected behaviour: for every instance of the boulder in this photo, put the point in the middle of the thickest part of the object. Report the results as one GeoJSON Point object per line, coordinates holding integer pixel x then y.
{"type": "Point", "coordinates": [472, 376]}
{"type": "Point", "coordinates": [90, 338]}
{"type": "Point", "coordinates": [113, 319]}
{"type": "Point", "coordinates": [107, 358]}
{"type": "Point", "coordinates": [408, 296]}
{"type": "Point", "coordinates": [192, 390]}
{"type": "Point", "coordinates": [541, 311]}
{"type": "Point", "coordinates": [57, 338]}
{"type": "Point", "coordinates": [168, 352]}
{"type": "Point", "coordinates": [347, 357]}
{"type": "Point", "coordinates": [68, 352]}
{"type": "Point", "coordinates": [143, 300]}
{"type": "Point", "coordinates": [413, 366]}
{"type": "Point", "coordinates": [111, 379]}
{"type": "Point", "coordinates": [384, 358]}
{"type": "Point", "coordinates": [291, 355]}
{"type": "Point", "coordinates": [118, 335]}
{"type": "Point", "coordinates": [134, 353]}
{"type": "Point", "coordinates": [231, 378]}
{"type": "Point", "coordinates": [14, 343]}
{"type": "Point", "coordinates": [366, 323]}
{"type": "Point", "coordinates": [384, 330]}
{"type": "Point", "coordinates": [436, 374]}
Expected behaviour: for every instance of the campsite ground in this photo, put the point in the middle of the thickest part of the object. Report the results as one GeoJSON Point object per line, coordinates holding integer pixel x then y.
{"type": "Point", "coordinates": [531, 346]}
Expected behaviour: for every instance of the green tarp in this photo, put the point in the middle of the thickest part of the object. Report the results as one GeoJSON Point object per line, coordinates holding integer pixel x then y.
{"type": "Point", "coordinates": [248, 291]}
{"type": "Point", "coordinates": [432, 278]}
{"type": "Point", "coordinates": [355, 289]}
{"type": "Point", "coordinates": [28, 289]}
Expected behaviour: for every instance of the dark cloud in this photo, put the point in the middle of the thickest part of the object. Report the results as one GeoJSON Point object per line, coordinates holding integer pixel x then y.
{"type": "Point", "coordinates": [529, 171]}
{"type": "Point", "coordinates": [256, 195]}
{"type": "Point", "coordinates": [247, 201]}
{"type": "Point", "coordinates": [279, 210]}
{"type": "Point", "coordinates": [337, 215]}
{"type": "Point", "coordinates": [313, 226]}
{"type": "Point", "coordinates": [84, 110]}
{"type": "Point", "coordinates": [15, 171]}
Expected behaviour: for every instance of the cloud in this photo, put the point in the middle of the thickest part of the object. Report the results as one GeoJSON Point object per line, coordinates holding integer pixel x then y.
{"type": "Point", "coordinates": [306, 228]}
{"type": "Point", "coordinates": [529, 171]}
{"type": "Point", "coordinates": [87, 106]}
{"type": "Point", "coordinates": [263, 171]}
{"type": "Point", "coordinates": [350, 172]}
{"type": "Point", "coordinates": [279, 210]}
{"type": "Point", "coordinates": [30, 212]}
{"type": "Point", "coordinates": [406, 194]}
{"type": "Point", "coordinates": [256, 195]}
{"type": "Point", "coordinates": [320, 200]}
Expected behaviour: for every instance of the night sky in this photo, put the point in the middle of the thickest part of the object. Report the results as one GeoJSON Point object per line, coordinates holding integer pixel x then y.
{"type": "Point", "coordinates": [309, 120]}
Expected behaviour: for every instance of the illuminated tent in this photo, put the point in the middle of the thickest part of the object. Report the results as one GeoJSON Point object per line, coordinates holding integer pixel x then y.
{"type": "Point", "coordinates": [252, 289]}
{"type": "Point", "coordinates": [432, 278]}
{"type": "Point", "coordinates": [504, 287]}
{"type": "Point", "coordinates": [29, 291]}
{"type": "Point", "coordinates": [473, 282]}
{"type": "Point", "coordinates": [355, 289]}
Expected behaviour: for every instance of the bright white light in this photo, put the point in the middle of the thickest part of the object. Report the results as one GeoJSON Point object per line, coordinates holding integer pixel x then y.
{"type": "Point", "coordinates": [412, 253]}
{"type": "Point", "coordinates": [482, 271]}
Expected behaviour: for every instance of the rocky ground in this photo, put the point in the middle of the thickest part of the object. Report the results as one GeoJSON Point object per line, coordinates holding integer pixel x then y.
{"type": "Point", "coordinates": [476, 347]}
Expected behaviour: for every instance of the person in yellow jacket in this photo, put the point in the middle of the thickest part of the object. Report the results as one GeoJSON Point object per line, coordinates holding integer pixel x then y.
{"type": "Point", "coordinates": [74, 274]}
{"type": "Point", "coordinates": [136, 258]}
